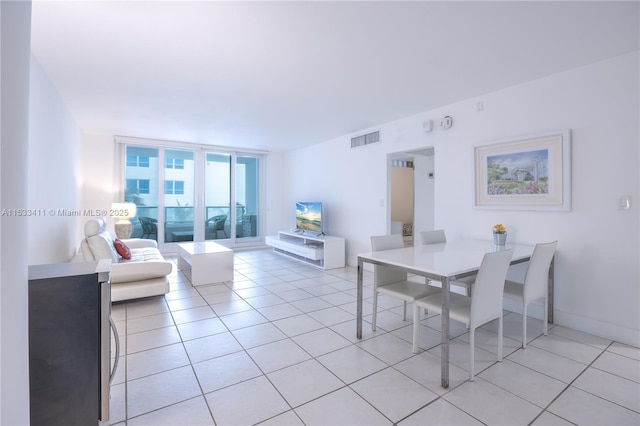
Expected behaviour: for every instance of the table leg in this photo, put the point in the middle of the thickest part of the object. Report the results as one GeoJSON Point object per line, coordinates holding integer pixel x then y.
{"type": "Point", "coordinates": [359, 301]}
{"type": "Point", "coordinates": [445, 334]}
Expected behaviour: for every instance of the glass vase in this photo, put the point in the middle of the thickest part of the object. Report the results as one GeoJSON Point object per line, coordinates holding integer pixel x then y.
{"type": "Point", "coordinates": [500, 239]}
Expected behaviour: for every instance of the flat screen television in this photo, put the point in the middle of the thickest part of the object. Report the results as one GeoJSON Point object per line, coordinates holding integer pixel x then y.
{"type": "Point", "coordinates": [309, 217]}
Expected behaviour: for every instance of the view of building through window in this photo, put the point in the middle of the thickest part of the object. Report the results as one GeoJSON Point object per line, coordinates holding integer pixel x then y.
{"type": "Point", "coordinates": [167, 212]}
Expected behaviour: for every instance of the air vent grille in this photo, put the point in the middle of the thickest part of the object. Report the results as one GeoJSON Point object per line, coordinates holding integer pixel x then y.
{"type": "Point", "coordinates": [366, 139]}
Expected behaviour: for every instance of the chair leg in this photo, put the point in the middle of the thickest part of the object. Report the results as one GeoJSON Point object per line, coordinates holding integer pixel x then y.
{"type": "Point", "coordinates": [524, 325]}
{"type": "Point", "coordinates": [375, 310]}
{"type": "Point", "coordinates": [472, 343]}
{"type": "Point", "coordinates": [404, 315]}
{"type": "Point", "coordinates": [416, 327]}
{"type": "Point", "coordinates": [500, 333]}
{"type": "Point", "coordinates": [545, 324]}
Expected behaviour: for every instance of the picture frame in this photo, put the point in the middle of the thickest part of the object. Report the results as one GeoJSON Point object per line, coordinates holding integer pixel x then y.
{"type": "Point", "coordinates": [526, 173]}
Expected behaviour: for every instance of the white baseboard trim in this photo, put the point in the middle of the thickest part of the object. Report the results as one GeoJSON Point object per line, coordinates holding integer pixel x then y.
{"type": "Point", "coordinates": [628, 336]}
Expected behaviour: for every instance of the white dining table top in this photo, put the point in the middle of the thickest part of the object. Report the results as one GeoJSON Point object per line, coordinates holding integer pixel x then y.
{"type": "Point", "coordinates": [448, 259]}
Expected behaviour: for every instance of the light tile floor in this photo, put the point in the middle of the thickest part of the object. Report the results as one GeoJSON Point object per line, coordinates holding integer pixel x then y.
{"type": "Point", "coordinates": [277, 346]}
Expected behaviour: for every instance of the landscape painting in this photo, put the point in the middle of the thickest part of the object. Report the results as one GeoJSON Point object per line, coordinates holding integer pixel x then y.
{"type": "Point", "coordinates": [531, 173]}
{"type": "Point", "coordinates": [520, 173]}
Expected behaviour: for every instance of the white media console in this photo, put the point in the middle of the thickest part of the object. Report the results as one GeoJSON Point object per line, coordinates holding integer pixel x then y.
{"type": "Point", "coordinates": [321, 251]}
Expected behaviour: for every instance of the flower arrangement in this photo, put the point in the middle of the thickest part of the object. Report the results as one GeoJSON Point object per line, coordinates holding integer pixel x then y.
{"type": "Point", "coordinates": [499, 229]}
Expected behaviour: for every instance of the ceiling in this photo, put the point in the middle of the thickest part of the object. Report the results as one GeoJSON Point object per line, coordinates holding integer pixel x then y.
{"type": "Point", "coordinates": [282, 75]}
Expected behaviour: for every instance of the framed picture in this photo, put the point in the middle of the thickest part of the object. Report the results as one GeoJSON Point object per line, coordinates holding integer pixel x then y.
{"type": "Point", "coordinates": [527, 173]}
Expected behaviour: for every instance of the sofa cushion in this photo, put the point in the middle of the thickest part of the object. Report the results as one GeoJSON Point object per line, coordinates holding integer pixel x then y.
{"type": "Point", "coordinates": [127, 271]}
{"type": "Point", "coordinates": [99, 240]}
{"type": "Point", "coordinates": [145, 254]}
{"type": "Point", "coordinates": [134, 243]}
{"type": "Point", "coordinates": [136, 289]}
{"type": "Point", "coordinates": [86, 251]}
{"type": "Point", "coordinates": [101, 246]}
{"type": "Point", "coordinates": [122, 249]}
{"type": "Point", "coordinates": [94, 226]}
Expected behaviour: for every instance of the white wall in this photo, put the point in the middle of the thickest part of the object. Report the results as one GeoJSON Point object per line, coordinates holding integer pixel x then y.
{"type": "Point", "coordinates": [424, 194]}
{"type": "Point", "coordinates": [352, 184]}
{"type": "Point", "coordinates": [98, 173]}
{"type": "Point", "coordinates": [40, 153]}
{"type": "Point", "coordinates": [15, 26]}
{"type": "Point", "coordinates": [274, 190]}
{"type": "Point", "coordinates": [53, 173]}
{"type": "Point", "coordinates": [597, 264]}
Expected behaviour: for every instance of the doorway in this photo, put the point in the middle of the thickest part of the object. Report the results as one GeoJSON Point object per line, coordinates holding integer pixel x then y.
{"type": "Point", "coordinates": [411, 179]}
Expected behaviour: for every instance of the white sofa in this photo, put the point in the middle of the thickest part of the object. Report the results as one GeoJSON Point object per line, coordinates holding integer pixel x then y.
{"type": "Point", "coordinates": [145, 274]}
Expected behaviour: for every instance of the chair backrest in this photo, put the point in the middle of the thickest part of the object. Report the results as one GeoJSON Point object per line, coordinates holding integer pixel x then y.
{"type": "Point", "coordinates": [381, 274]}
{"type": "Point", "coordinates": [148, 224]}
{"type": "Point", "coordinates": [486, 302]}
{"type": "Point", "coordinates": [433, 237]}
{"type": "Point", "coordinates": [214, 219]}
{"type": "Point", "coordinates": [536, 278]}
{"type": "Point", "coordinates": [219, 223]}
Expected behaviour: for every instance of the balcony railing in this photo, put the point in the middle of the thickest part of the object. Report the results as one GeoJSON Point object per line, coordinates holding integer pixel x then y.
{"type": "Point", "coordinates": [179, 222]}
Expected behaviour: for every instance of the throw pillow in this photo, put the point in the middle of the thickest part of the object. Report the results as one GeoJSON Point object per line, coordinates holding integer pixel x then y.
{"type": "Point", "coordinates": [122, 249]}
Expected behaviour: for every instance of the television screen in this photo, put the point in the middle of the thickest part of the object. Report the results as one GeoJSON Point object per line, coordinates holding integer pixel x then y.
{"type": "Point", "coordinates": [309, 216]}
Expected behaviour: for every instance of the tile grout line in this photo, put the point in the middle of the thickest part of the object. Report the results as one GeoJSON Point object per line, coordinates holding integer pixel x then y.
{"type": "Point", "coordinates": [546, 408]}
{"type": "Point", "coordinates": [257, 271]}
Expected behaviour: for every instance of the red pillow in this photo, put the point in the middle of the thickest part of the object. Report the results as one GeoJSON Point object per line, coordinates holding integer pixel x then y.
{"type": "Point", "coordinates": [122, 249]}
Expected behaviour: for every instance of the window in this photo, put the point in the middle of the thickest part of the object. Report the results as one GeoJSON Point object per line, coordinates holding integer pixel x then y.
{"type": "Point", "coordinates": [217, 190]}
{"type": "Point", "coordinates": [247, 209]}
{"type": "Point", "coordinates": [195, 193]}
{"type": "Point", "coordinates": [402, 163]}
{"type": "Point", "coordinates": [175, 187]}
{"type": "Point", "coordinates": [139, 186]}
{"type": "Point", "coordinates": [137, 160]}
{"type": "Point", "coordinates": [174, 163]}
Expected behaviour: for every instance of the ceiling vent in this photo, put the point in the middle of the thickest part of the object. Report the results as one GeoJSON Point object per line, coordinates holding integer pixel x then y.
{"type": "Point", "coordinates": [367, 139]}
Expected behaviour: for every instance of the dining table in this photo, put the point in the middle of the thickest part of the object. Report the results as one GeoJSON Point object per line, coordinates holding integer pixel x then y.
{"type": "Point", "coordinates": [444, 262]}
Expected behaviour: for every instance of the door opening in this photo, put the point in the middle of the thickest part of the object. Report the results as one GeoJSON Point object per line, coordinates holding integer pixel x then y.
{"type": "Point", "coordinates": [411, 193]}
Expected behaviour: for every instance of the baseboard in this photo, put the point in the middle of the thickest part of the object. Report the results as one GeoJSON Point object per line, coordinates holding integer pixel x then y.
{"type": "Point", "coordinates": [628, 336]}
{"type": "Point", "coordinates": [625, 335]}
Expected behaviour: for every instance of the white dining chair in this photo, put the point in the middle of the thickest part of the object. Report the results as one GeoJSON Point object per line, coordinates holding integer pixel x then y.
{"type": "Point", "coordinates": [392, 282]}
{"type": "Point", "coordinates": [484, 306]}
{"type": "Point", "coordinates": [436, 237]}
{"type": "Point", "coordinates": [433, 237]}
{"type": "Point", "coordinates": [535, 286]}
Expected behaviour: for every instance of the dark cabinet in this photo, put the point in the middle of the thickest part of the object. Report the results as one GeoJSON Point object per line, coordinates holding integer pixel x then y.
{"type": "Point", "coordinates": [69, 343]}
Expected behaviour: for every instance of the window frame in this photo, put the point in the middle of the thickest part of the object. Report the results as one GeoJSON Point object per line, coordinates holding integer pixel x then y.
{"type": "Point", "coordinates": [122, 142]}
{"type": "Point", "coordinates": [137, 186]}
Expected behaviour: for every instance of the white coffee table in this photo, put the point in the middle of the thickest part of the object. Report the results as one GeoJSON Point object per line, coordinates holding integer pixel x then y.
{"type": "Point", "coordinates": [205, 262]}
